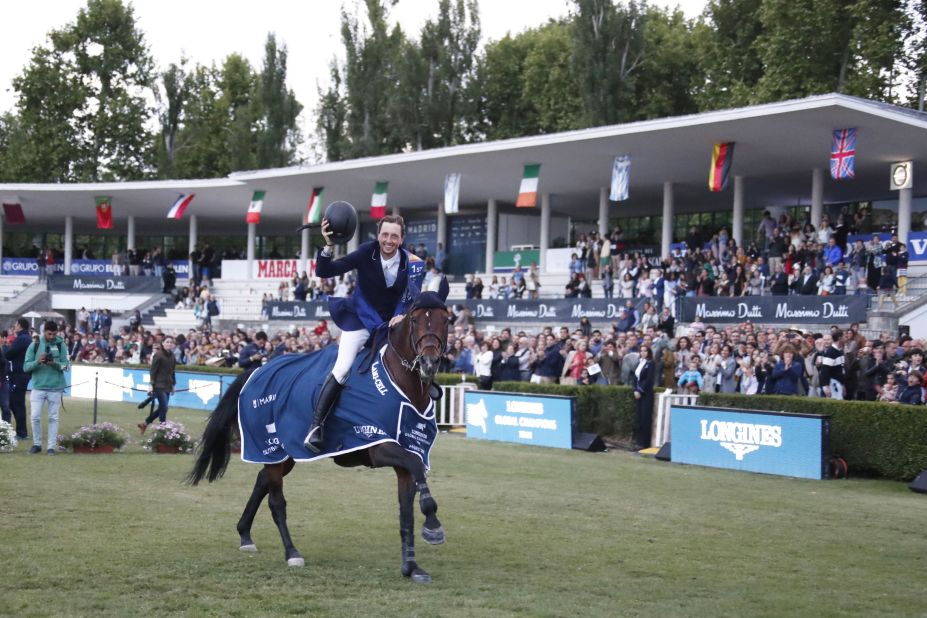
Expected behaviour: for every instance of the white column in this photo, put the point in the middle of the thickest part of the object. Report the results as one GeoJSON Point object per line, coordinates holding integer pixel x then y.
{"type": "Point", "coordinates": [68, 243]}
{"type": "Point", "coordinates": [603, 212]}
{"type": "Point", "coordinates": [252, 230]}
{"type": "Point", "coordinates": [130, 233]}
{"type": "Point", "coordinates": [304, 251]}
{"type": "Point", "coordinates": [738, 221]}
{"type": "Point", "coordinates": [817, 196]}
{"type": "Point", "coordinates": [492, 215]}
{"type": "Point", "coordinates": [442, 227]}
{"type": "Point", "coordinates": [904, 213]}
{"type": "Point", "coordinates": [545, 232]}
{"type": "Point", "coordinates": [191, 245]}
{"type": "Point", "coordinates": [355, 240]}
{"type": "Point", "coordinates": [395, 211]}
{"type": "Point", "coordinates": [667, 236]}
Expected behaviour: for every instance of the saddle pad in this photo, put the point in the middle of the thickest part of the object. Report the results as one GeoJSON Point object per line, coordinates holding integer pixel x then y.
{"type": "Point", "coordinates": [276, 405]}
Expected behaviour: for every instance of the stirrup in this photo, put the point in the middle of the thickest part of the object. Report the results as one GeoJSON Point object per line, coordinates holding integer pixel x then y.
{"type": "Point", "coordinates": [313, 440]}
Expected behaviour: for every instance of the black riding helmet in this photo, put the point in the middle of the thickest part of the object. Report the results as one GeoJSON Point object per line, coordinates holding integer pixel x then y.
{"type": "Point", "coordinates": [342, 221]}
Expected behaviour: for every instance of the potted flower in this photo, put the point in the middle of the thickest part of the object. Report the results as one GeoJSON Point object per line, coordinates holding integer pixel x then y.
{"type": "Point", "coordinates": [8, 439]}
{"type": "Point", "coordinates": [170, 437]}
{"type": "Point", "coordinates": [98, 438]}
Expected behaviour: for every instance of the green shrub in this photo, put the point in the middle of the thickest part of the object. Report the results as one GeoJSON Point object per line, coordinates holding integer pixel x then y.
{"type": "Point", "coordinates": [886, 439]}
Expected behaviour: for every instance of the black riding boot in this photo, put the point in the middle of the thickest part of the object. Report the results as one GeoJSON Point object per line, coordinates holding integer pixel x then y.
{"type": "Point", "coordinates": [328, 396]}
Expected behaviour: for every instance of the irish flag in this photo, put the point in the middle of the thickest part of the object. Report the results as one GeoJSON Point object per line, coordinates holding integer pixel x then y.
{"type": "Point", "coordinates": [528, 192]}
{"type": "Point", "coordinates": [254, 209]}
{"type": "Point", "coordinates": [721, 157]}
{"type": "Point", "coordinates": [104, 213]}
{"type": "Point", "coordinates": [180, 205]}
{"type": "Point", "coordinates": [378, 201]}
{"type": "Point", "coordinates": [314, 212]}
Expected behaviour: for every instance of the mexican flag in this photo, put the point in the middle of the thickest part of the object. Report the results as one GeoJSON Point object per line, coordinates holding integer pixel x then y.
{"type": "Point", "coordinates": [254, 208]}
{"type": "Point", "coordinates": [378, 201]}
{"type": "Point", "coordinates": [104, 212]}
{"type": "Point", "coordinates": [528, 193]}
{"type": "Point", "coordinates": [314, 213]}
{"type": "Point", "coordinates": [180, 205]}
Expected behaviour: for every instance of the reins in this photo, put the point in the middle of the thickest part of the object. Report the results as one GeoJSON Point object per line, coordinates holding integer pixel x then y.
{"type": "Point", "coordinates": [415, 364]}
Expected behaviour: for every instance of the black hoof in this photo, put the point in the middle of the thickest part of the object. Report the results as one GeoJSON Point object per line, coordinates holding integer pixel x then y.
{"type": "Point", "coordinates": [416, 574]}
{"type": "Point", "coordinates": [433, 537]}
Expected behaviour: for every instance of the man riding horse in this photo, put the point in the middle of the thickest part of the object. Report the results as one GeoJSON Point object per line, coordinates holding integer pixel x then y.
{"type": "Point", "coordinates": [389, 279]}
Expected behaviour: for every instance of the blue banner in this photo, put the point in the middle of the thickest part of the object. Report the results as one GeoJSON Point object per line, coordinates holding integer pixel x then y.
{"type": "Point", "coordinates": [27, 267]}
{"type": "Point", "coordinates": [198, 391]}
{"type": "Point", "coordinates": [755, 441]}
{"type": "Point", "coordinates": [917, 243]}
{"type": "Point", "coordinates": [540, 420]}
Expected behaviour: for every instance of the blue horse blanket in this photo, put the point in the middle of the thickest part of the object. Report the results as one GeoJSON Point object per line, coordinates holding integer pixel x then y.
{"type": "Point", "coordinates": [276, 405]}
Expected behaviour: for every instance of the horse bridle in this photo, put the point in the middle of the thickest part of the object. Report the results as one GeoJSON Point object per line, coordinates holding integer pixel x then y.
{"type": "Point", "coordinates": [415, 364]}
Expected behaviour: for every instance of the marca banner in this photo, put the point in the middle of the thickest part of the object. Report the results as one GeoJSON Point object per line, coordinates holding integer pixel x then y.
{"type": "Point", "coordinates": [265, 269]}
{"type": "Point", "coordinates": [27, 267]}
{"type": "Point", "coordinates": [523, 419]}
{"type": "Point", "coordinates": [917, 243]}
{"type": "Point", "coordinates": [295, 310]}
{"type": "Point", "coordinates": [114, 285]}
{"type": "Point", "coordinates": [775, 309]}
{"type": "Point", "coordinates": [752, 440]}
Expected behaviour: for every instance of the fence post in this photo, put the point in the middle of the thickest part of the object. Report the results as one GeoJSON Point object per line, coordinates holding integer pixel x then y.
{"type": "Point", "coordinates": [96, 381]}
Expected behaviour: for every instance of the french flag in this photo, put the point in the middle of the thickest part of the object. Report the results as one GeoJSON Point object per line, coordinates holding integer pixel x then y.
{"type": "Point", "coordinates": [180, 205]}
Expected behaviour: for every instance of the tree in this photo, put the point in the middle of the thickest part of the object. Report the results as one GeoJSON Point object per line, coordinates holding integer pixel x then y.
{"type": "Point", "coordinates": [670, 70]}
{"type": "Point", "coordinates": [176, 85]}
{"type": "Point", "coordinates": [279, 136]}
{"type": "Point", "coordinates": [550, 87]}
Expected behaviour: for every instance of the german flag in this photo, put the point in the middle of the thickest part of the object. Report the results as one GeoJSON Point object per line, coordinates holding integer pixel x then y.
{"type": "Point", "coordinates": [721, 156]}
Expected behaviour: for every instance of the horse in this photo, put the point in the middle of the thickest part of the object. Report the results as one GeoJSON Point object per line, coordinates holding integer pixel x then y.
{"type": "Point", "coordinates": [410, 356]}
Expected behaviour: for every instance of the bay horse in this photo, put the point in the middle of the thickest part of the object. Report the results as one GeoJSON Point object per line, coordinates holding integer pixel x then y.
{"type": "Point", "coordinates": [411, 356]}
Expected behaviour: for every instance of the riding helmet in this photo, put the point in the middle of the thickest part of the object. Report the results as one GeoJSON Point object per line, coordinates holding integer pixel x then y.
{"type": "Point", "coordinates": [342, 221]}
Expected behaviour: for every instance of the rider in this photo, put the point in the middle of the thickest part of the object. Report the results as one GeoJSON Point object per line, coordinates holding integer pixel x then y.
{"type": "Point", "coordinates": [389, 279]}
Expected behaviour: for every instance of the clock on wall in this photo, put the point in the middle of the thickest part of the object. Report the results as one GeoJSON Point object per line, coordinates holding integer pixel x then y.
{"type": "Point", "coordinates": [901, 175]}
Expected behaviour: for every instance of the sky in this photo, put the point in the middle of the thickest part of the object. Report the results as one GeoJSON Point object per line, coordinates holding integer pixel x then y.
{"type": "Point", "coordinates": [209, 30]}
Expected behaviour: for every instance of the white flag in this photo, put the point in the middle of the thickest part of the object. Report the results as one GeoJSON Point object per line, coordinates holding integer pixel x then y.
{"type": "Point", "coordinates": [451, 193]}
{"type": "Point", "coordinates": [621, 174]}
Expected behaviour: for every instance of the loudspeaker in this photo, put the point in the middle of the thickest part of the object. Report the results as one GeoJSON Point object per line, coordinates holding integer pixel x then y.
{"type": "Point", "coordinates": [920, 483]}
{"type": "Point", "coordinates": [588, 442]}
{"type": "Point", "coordinates": [664, 453]}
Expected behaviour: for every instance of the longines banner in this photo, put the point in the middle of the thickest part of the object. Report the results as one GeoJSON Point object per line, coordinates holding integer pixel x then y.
{"type": "Point", "coordinates": [776, 309]}
{"type": "Point", "coordinates": [114, 285]}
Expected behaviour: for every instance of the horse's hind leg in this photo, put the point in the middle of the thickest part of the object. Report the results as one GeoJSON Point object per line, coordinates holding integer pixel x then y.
{"type": "Point", "coordinates": [277, 503]}
{"type": "Point", "coordinates": [251, 508]}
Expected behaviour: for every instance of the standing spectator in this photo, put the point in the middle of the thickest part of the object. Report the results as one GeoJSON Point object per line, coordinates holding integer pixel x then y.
{"type": "Point", "coordinates": [482, 365]}
{"type": "Point", "coordinates": [642, 380]}
{"type": "Point", "coordinates": [912, 393]}
{"type": "Point", "coordinates": [135, 262]}
{"type": "Point", "coordinates": [440, 257]}
{"type": "Point", "coordinates": [548, 366]}
{"type": "Point", "coordinates": [786, 374]}
{"type": "Point", "coordinates": [46, 360]}
{"type": "Point", "coordinates": [15, 354]}
{"type": "Point", "coordinates": [206, 261]}
{"type": "Point", "coordinates": [163, 381]}
{"type": "Point", "coordinates": [509, 371]}
{"type": "Point", "coordinates": [40, 265]}
{"type": "Point", "coordinates": [886, 286]}
{"type": "Point", "coordinates": [832, 362]}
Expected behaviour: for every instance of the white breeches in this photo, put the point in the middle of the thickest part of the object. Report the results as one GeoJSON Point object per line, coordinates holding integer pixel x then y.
{"type": "Point", "coordinates": [350, 344]}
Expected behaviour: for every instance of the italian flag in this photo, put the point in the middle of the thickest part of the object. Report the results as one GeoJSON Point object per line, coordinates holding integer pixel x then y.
{"type": "Point", "coordinates": [528, 193]}
{"type": "Point", "coordinates": [378, 201]}
{"type": "Point", "coordinates": [314, 212]}
{"type": "Point", "coordinates": [104, 213]}
{"type": "Point", "coordinates": [254, 209]}
{"type": "Point", "coordinates": [180, 205]}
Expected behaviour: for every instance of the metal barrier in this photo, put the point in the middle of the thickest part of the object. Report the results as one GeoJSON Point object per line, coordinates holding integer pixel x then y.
{"type": "Point", "coordinates": [665, 400]}
{"type": "Point", "coordinates": [450, 408]}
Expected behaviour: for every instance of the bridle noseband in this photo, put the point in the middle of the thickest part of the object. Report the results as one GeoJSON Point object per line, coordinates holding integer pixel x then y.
{"type": "Point", "coordinates": [415, 365]}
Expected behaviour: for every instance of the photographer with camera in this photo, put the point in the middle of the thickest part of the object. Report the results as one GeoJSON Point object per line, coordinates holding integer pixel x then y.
{"type": "Point", "coordinates": [46, 360]}
{"type": "Point", "coordinates": [162, 379]}
{"type": "Point", "coordinates": [254, 353]}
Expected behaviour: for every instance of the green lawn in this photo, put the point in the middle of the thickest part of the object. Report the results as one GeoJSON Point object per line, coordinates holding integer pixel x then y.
{"type": "Point", "coordinates": [530, 532]}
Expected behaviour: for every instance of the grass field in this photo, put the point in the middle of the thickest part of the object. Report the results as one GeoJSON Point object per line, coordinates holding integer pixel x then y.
{"type": "Point", "coordinates": [530, 532]}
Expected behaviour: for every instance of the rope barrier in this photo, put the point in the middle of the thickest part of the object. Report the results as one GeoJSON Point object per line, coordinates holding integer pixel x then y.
{"type": "Point", "coordinates": [145, 390]}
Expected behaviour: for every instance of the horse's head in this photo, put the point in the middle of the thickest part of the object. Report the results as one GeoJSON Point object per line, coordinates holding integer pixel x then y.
{"type": "Point", "coordinates": [426, 324]}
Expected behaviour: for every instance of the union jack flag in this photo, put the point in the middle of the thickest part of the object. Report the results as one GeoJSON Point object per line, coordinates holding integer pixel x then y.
{"type": "Point", "coordinates": [843, 154]}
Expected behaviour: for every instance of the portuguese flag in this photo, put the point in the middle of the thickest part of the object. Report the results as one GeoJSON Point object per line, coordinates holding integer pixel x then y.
{"type": "Point", "coordinates": [314, 212]}
{"type": "Point", "coordinates": [254, 208]}
{"type": "Point", "coordinates": [104, 212]}
{"type": "Point", "coordinates": [378, 201]}
{"type": "Point", "coordinates": [721, 157]}
{"type": "Point", "coordinates": [528, 192]}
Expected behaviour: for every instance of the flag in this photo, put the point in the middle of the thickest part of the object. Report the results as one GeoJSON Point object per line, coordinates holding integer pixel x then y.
{"type": "Point", "coordinates": [721, 157]}
{"type": "Point", "coordinates": [451, 193]}
{"type": "Point", "coordinates": [621, 176]}
{"type": "Point", "coordinates": [378, 201]}
{"type": "Point", "coordinates": [13, 213]}
{"type": "Point", "coordinates": [254, 208]}
{"type": "Point", "coordinates": [180, 206]}
{"type": "Point", "coordinates": [314, 211]}
{"type": "Point", "coordinates": [843, 155]}
{"type": "Point", "coordinates": [104, 213]}
{"type": "Point", "coordinates": [528, 192]}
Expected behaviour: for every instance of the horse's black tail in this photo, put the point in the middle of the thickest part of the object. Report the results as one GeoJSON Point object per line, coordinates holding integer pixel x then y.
{"type": "Point", "coordinates": [213, 452]}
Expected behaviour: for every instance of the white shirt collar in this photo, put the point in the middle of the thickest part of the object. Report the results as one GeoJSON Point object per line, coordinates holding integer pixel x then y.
{"type": "Point", "coordinates": [388, 263]}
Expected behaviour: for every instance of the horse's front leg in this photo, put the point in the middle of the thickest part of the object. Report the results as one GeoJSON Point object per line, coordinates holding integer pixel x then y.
{"type": "Point", "coordinates": [409, 566]}
{"type": "Point", "coordinates": [277, 504]}
{"type": "Point", "coordinates": [432, 530]}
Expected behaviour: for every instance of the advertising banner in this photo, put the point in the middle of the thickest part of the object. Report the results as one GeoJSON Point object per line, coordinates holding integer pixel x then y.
{"type": "Point", "coordinates": [294, 310]}
{"type": "Point", "coordinates": [775, 309]}
{"type": "Point", "coordinates": [506, 261]}
{"type": "Point", "coordinates": [199, 391]}
{"type": "Point", "coordinates": [265, 269]}
{"type": "Point", "coordinates": [917, 243]}
{"type": "Point", "coordinates": [113, 285]}
{"type": "Point", "coordinates": [541, 420]}
{"type": "Point", "coordinates": [88, 268]}
{"type": "Point", "coordinates": [752, 440]}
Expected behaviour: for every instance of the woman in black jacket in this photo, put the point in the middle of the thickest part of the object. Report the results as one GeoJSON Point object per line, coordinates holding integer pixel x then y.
{"type": "Point", "coordinates": [642, 383]}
